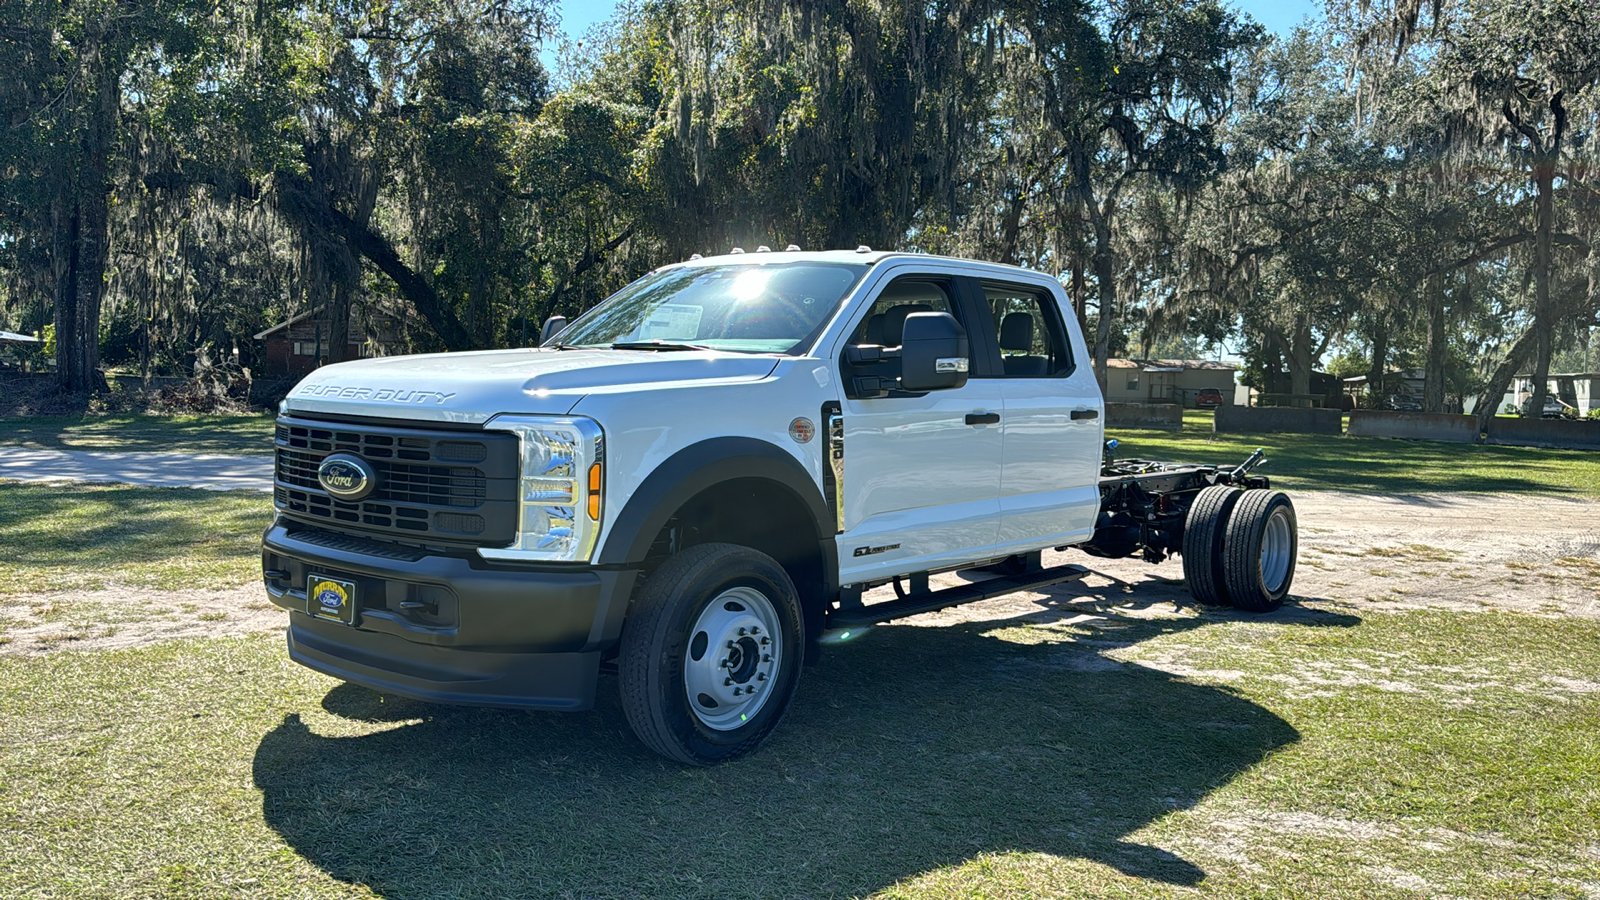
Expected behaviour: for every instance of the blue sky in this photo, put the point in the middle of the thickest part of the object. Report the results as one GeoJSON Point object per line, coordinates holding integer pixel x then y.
{"type": "Point", "coordinates": [1279, 16]}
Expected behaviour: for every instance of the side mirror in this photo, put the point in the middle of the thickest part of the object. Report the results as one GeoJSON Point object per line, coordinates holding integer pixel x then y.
{"type": "Point", "coordinates": [933, 353]}
{"type": "Point", "coordinates": [552, 327]}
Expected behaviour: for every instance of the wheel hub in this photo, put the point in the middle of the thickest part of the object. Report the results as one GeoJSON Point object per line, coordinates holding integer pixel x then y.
{"type": "Point", "coordinates": [733, 655]}
{"type": "Point", "coordinates": [1277, 549]}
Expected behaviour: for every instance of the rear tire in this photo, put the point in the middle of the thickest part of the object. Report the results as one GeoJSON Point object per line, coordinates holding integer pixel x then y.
{"type": "Point", "coordinates": [1262, 542]}
{"type": "Point", "coordinates": [711, 653]}
{"type": "Point", "coordinates": [1203, 531]}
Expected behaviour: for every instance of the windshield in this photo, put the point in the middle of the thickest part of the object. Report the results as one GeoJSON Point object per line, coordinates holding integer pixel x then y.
{"type": "Point", "coordinates": [762, 308]}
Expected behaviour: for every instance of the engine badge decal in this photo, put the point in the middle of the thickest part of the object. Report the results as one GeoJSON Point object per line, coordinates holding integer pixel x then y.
{"type": "Point", "coordinates": [868, 551]}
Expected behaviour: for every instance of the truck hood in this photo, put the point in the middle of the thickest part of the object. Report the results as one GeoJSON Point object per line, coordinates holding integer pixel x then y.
{"type": "Point", "coordinates": [474, 387]}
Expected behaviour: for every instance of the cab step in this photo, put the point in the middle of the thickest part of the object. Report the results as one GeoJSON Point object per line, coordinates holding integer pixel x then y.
{"type": "Point", "coordinates": [861, 617]}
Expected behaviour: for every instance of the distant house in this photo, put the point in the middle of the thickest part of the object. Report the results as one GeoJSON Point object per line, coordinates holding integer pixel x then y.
{"type": "Point", "coordinates": [1406, 384]}
{"type": "Point", "coordinates": [15, 348]}
{"type": "Point", "coordinates": [299, 345]}
{"type": "Point", "coordinates": [1166, 380]}
{"type": "Point", "coordinates": [1579, 389]}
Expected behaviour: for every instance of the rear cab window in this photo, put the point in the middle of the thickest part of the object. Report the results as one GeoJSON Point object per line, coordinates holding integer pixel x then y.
{"type": "Point", "coordinates": [1025, 323]}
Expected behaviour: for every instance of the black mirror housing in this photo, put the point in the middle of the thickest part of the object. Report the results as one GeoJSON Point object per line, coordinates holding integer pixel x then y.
{"type": "Point", "coordinates": [933, 353]}
{"type": "Point", "coordinates": [552, 327]}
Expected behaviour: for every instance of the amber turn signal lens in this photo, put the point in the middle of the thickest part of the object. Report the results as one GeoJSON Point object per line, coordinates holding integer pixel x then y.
{"type": "Point", "coordinates": [594, 492]}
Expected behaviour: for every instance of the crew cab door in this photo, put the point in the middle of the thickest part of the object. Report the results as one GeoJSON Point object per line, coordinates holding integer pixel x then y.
{"type": "Point", "coordinates": [1052, 424]}
{"type": "Point", "coordinates": [919, 474]}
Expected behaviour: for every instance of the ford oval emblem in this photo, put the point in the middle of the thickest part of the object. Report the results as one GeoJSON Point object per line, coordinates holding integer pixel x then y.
{"type": "Point", "coordinates": [347, 477]}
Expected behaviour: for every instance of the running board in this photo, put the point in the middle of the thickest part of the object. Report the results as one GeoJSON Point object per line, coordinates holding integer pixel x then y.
{"type": "Point", "coordinates": [916, 604]}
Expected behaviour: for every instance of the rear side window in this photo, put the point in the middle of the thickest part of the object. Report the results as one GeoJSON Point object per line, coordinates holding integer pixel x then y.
{"type": "Point", "coordinates": [1028, 326]}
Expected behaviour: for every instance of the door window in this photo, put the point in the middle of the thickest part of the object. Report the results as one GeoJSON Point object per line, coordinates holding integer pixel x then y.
{"type": "Point", "coordinates": [886, 321]}
{"type": "Point", "coordinates": [1026, 323]}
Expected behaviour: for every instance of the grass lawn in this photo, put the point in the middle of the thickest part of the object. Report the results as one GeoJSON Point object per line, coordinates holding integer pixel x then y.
{"type": "Point", "coordinates": [132, 431]}
{"type": "Point", "coordinates": [1311, 754]}
{"type": "Point", "coordinates": [55, 536]}
{"type": "Point", "coordinates": [1372, 465]}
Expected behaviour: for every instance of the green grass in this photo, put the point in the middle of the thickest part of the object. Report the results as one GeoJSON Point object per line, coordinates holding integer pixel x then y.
{"type": "Point", "coordinates": [132, 431]}
{"type": "Point", "coordinates": [1307, 754]}
{"type": "Point", "coordinates": [55, 536]}
{"type": "Point", "coordinates": [1372, 465]}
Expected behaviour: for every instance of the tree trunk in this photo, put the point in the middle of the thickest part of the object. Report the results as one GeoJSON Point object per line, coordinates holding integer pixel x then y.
{"type": "Point", "coordinates": [339, 310]}
{"type": "Point", "coordinates": [81, 292]}
{"type": "Point", "coordinates": [1105, 276]}
{"type": "Point", "coordinates": [1500, 381]}
{"type": "Point", "coordinates": [1300, 357]}
{"type": "Point", "coordinates": [1079, 303]}
{"type": "Point", "coordinates": [1380, 359]}
{"type": "Point", "coordinates": [1544, 171]}
{"type": "Point", "coordinates": [1438, 344]}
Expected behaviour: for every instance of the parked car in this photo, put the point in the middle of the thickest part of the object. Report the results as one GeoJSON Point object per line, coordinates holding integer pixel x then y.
{"type": "Point", "coordinates": [1553, 408]}
{"type": "Point", "coordinates": [1208, 398]}
{"type": "Point", "coordinates": [1402, 403]}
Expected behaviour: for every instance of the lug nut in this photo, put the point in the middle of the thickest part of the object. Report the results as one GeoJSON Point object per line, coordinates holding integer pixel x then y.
{"type": "Point", "coordinates": [743, 632]}
{"type": "Point", "coordinates": [727, 681]}
{"type": "Point", "coordinates": [736, 692]}
{"type": "Point", "coordinates": [754, 630]}
{"type": "Point", "coordinates": [765, 641]}
{"type": "Point", "coordinates": [767, 657]}
{"type": "Point", "coordinates": [730, 645]}
{"type": "Point", "coordinates": [761, 676]}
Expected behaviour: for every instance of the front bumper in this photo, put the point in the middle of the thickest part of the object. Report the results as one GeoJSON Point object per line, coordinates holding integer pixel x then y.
{"type": "Point", "coordinates": [449, 628]}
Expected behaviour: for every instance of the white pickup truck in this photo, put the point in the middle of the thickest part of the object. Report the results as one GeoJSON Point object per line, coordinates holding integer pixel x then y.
{"type": "Point", "coordinates": [693, 484]}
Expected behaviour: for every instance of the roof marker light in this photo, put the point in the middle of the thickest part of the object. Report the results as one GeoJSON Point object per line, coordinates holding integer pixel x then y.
{"type": "Point", "coordinates": [863, 249]}
{"type": "Point", "coordinates": [763, 249]}
{"type": "Point", "coordinates": [696, 256]}
{"type": "Point", "coordinates": [737, 250]}
{"type": "Point", "coordinates": [792, 248]}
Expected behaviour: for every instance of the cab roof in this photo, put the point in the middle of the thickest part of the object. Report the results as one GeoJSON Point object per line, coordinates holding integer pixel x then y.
{"type": "Point", "coordinates": [848, 257]}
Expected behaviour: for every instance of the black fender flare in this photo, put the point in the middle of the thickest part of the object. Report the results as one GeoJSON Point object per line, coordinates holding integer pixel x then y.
{"type": "Point", "coordinates": [703, 465]}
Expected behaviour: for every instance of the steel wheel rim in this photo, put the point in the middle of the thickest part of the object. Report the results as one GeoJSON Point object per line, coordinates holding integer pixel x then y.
{"type": "Point", "coordinates": [1277, 549]}
{"type": "Point", "coordinates": [730, 665]}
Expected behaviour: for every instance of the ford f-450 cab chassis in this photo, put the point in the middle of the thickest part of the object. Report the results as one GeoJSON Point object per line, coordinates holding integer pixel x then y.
{"type": "Point", "coordinates": [695, 483]}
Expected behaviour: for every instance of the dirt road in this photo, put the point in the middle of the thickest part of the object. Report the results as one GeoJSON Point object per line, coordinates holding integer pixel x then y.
{"type": "Point", "coordinates": [1538, 555]}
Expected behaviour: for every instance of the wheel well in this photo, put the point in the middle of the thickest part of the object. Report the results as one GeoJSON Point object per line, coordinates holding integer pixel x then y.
{"type": "Point", "coordinates": [760, 514]}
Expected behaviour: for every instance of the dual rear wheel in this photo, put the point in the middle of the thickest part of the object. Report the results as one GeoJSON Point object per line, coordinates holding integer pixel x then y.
{"type": "Point", "coordinates": [1239, 548]}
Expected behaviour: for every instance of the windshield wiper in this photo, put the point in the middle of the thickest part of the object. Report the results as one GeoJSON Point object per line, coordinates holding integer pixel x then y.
{"type": "Point", "coordinates": [657, 345]}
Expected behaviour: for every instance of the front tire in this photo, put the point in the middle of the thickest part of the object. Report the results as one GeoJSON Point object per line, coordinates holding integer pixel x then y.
{"type": "Point", "coordinates": [710, 656]}
{"type": "Point", "coordinates": [1261, 545]}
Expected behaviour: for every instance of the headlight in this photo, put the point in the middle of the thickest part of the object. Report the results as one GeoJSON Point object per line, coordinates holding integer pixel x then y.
{"type": "Point", "coordinates": [560, 488]}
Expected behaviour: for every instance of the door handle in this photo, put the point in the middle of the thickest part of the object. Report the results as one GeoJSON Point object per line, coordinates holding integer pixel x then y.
{"type": "Point", "coordinates": [983, 418]}
{"type": "Point", "coordinates": [1085, 414]}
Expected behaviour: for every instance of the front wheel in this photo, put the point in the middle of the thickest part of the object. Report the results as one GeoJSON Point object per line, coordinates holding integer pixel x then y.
{"type": "Point", "coordinates": [711, 654]}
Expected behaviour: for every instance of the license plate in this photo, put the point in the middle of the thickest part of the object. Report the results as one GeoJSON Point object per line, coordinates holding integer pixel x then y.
{"type": "Point", "coordinates": [330, 598]}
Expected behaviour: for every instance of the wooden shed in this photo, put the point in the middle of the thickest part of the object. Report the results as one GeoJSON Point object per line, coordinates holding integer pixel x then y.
{"type": "Point", "coordinates": [298, 345]}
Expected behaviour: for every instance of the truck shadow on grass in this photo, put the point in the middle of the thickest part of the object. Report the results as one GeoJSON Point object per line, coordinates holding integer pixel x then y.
{"type": "Point", "coordinates": [914, 750]}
